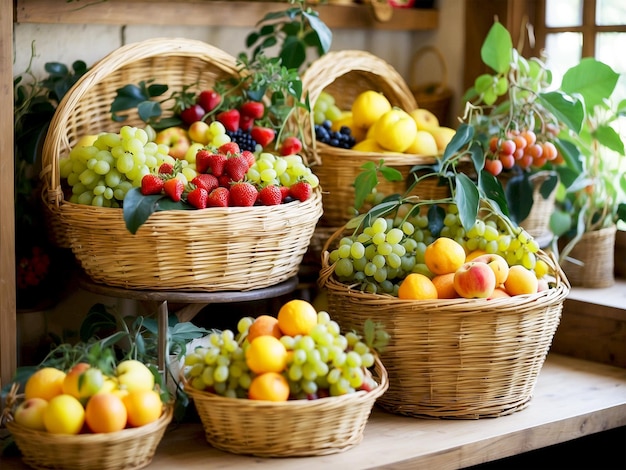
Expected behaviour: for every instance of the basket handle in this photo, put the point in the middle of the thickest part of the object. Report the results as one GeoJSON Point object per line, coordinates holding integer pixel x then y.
{"type": "Point", "coordinates": [419, 54]}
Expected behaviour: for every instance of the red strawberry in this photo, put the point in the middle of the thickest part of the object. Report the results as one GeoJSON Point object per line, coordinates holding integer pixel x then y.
{"type": "Point", "coordinates": [300, 190]}
{"type": "Point", "coordinates": [290, 146]}
{"type": "Point", "coordinates": [243, 194]}
{"type": "Point", "coordinates": [230, 119]}
{"type": "Point", "coordinates": [219, 197]}
{"type": "Point", "coordinates": [246, 122]}
{"type": "Point", "coordinates": [284, 191]}
{"type": "Point", "coordinates": [206, 181]}
{"type": "Point", "coordinates": [236, 167]}
{"type": "Point", "coordinates": [263, 135]}
{"type": "Point", "coordinates": [202, 160]}
{"type": "Point", "coordinates": [271, 195]}
{"type": "Point", "coordinates": [207, 162]}
{"type": "Point", "coordinates": [151, 184]}
{"type": "Point", "coordinates": [209, 99]}
{"type": "Point", "coordinates": [166, 169]}
{"type": "Point", "coordinates": [249, 156]}
{"type": "Point", "coordinates": [198, 198]}
{"type": "Point", "coordinates": [174, 189]}
{"type": "Point", "coordinates": [224, 181]}
{"type": "Point", "coordinates": [252, 109]}
{"type": "Point", "coordinates": [229, 147]}
{"type": "Point", "coordinates": [193, 113]}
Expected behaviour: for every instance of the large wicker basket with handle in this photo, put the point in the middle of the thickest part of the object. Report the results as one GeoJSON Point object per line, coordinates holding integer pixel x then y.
{"type": "Point", "coordinates": [458, 358]}
{"type": "Point", "coordinates": [213, 249]}
{"type": "Point", "coordinates": [345, 74]}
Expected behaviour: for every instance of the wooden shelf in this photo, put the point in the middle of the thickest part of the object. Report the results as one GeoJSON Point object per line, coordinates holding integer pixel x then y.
{"type": "Point", "coordinates": [573, 398]}
{"type": "Point", "coordinates": [212, 13]}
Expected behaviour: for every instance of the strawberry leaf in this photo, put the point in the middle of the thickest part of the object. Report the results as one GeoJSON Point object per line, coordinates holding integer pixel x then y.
{"type": "Point", "coordinates": [138, 208]}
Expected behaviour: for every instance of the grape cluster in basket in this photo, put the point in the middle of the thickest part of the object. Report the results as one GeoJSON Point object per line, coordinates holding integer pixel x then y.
{"type": "Point", "coordinates": [299, 354]}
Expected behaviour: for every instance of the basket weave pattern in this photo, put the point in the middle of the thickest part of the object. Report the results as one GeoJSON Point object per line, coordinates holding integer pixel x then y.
{"type": "Point", "coordinates": [128, 449]}
{"type": "Point", "coordinates": [596, 250]}
{"type": "Point", "coordinates": [287, 429]}
{"type": "Point", "coordinates": [213, 249]}
{"type": "Point", "coordinates": [460, 358]}
{"type": "Point", "coordinates": [345, 74]}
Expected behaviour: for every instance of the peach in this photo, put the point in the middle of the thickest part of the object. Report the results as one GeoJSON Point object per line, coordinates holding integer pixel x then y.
{"type": "Point", "coordinates": [474, 280]}
{"type": "Point", "coordinates": [199, 132]}
{"type": "Point", "coordinates": [498, 293]}
{"type": "Point", "coordinates": [497, 263]}
{"type": "Point", "coordinates": [444, 283]}
{"type": "Point", "coordinates": [176, 138]}
{"type": "Point", "coordinates": [521, 281]}
{"type": "Point", "coordinates": [30, 413]}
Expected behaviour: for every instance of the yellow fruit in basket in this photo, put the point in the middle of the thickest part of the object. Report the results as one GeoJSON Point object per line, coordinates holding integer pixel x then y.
{"type": "Point", "coordinates": [368, 107]}
{"type": "Point", "coordinates": [395, 130]}
{"type": "Point", "coordinates": [270, 386]}
{"type": "Point", "coordinates": [64, 415]}
{"type": "Point", "coordinates": [82, 381]}
{"type": "Point", "coordinates": [86, 140]}
{"type": "Point", "coordinates": [424, 144]}
{"type": "Point", "coordinates": [417, 286]}
{"type": "Point", "coordinates": [444, 255]}
{"type": "Point", "coordinates": [297, 317]}
{"type": "Point", "coordinates": [45, 383]}
{"type": "Point", "coordinates": [143, 407]}
{"type": "Point", "coordinates": [30, 413]}
{"type": "Point", "coordinates": [134, 375]}
{"type": "Point", "coordinates": [424, 119]}
{"type": "Point", "coordinates": [105, 412]}
{"type": "Point", "coordinates": [368, 145]}
{"type": "Point", "coordinates": [443, 135]}
{"type": "Point", "coordinates": [266, 354]}
{"type": "Point", "coordinates": [264, 325]}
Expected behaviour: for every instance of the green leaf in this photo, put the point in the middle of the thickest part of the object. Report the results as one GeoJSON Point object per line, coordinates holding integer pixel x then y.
{"type": "Point", "coordinates": [567, 109]}
{"type": "Point", "coordinates": [477, 155]}
{"type": "Point", "coordinates": [138, 208]}
{"type": "Point", "coordinates": [496, 50]}
{"type": "Point", "coordinates": [548, 185]}
{"type": "Point", "coordinates": [462, 136]}
{"type": "Point", "coordinates": [592, 79]}
{"type": "Point", "coordinates": [390, 173]}
{"type": "Point", "coordinates": [483, 83]}
{"type": "Point", "coordinates": [324, 33]}
{"type": "Point", "coordinates": [560, 222]}
{"type": "Point", "coordinates": [492, 188]}
{"type": "Point", "coordinates": [293, 53]}
{"type": "Point", "coordinates": [156, 90]}
{"type": "Point", "coordinates": [571, 155]}
{"type": "Point", "coordinates": [607, 136]}
{"type": "Point", "coordinates": [364, 183]}
{"type": "Point", "coordinates": [519, 196]}
{"type": "Point", "coordinates": [467, 200]}
{"type": "Point", "coordinates": [436, 215]}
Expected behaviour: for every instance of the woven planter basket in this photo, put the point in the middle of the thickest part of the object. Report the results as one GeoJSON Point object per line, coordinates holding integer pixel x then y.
{"type": "Point", "coordinates": [131, 448]}
{"type": "Point", "coordinates": [596, 252]}
{"type": "Point", "coordinates": [345, 74]}
{"type": "Point", "coordinates": [294, 428]}
{"type": "Point", "coordinates": [213, 249]}
{"type": "Point", "coordinates": [434, 96]}
{"type": "Point", "coordinates": [85, 109]}
{"type": "Point", "coordinates": [460, 358]}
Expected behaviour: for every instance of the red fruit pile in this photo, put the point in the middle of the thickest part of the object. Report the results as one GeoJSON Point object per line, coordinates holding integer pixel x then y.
{"type": "Point", "coordinates": [521, 148]}
{"type": "Point", "coordinates": [221, 182]}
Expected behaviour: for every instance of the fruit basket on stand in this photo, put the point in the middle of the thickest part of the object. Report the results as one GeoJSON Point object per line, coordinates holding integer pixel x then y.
{"type": "Point", "coordinates": [130, 448]}
{"type": "Point", "coordinates": [214, 249]}
{"type": "Point", "coordinates": [457, 358]}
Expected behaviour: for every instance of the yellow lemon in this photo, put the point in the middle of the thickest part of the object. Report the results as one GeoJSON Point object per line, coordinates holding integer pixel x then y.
{"type": "Point", "coordinates": [395, 130]}
{"type": "Point", "coordinates": [368, 107]}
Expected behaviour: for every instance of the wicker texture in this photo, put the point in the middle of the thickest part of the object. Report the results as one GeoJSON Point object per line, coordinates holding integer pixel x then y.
{"type": "Point", "coordinates": [460, 358]}
{"type": "Point", "coordinates": [213, 249]}
{"type": "Point", "coordinates": [595, 259]}
{"type": "Point", "coordinates": [131, 448]}
{"type": "Point", "coordinates": [435, 97]}
{"type": "Point", "coordinates": [294, 428]}
{"type": "Point", "coordinates": [346, 74]}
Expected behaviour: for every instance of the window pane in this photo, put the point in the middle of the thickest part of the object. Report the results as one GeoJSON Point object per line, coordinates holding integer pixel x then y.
{"type": "Point", "coordinates": [609, 49]}
{"type": "Point", "coordinates": [563, 50]}
{"type": "Point", "coordinates": [564, 13]}
{"type": "Point", "coordinates": [610, 12]}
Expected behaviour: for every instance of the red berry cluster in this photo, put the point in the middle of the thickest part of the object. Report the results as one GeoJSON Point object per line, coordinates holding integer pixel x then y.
{"type": "Point", "coordinates": [32, 270]}
{"type": "Point", "coordinates": [521, 148]}
{"type": "Point", "coordinates": [221, 182]}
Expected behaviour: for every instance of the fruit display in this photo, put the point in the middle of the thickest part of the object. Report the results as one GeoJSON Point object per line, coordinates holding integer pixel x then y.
{"type": "Point", "coordinates": [298, 354]}
{"type": "Point", "coordinates": [87, 400]}
{"type": "Point", "coordinates": [372, 124]}
{"type": "Point", "coordinates": [414, 255]}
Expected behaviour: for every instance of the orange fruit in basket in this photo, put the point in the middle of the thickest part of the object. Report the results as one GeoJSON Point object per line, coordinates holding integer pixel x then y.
{"type": "Point", "coordinates": [266, 354]}
{"type": "Point", "coordinates": [143, 407]}
{"type": "Point", "coordinates": [264, 325]}
{"type": "Point", "coordinates": [367, 107]}
{"type": "Point", "coordinates": [417, 286]}
{"type": "Point", "coordinates": [45, 383]}
{"type": "Point", "coordinates": [297, 317]}
{"type": "Point", "coordinates": [444, 255]}
{"type": "Point", "coordinates": [521, 281]}
{"type": "Point", "coordinates": [270, 386]}
{"type": "Point", "coordinates": [105, 412]}
{"type": "Point", "coordinates": [444, 283]}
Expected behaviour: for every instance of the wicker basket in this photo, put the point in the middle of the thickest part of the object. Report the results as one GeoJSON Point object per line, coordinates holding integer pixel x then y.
{"type": "Point", "coordinates": [128, 449]}
{"type": "Point", "coordinates": [435, 97]}
{"type": "Point", "coordinates": [345, 74]}
{"type": "Point", "coordinates": [595, 259]}
{"type": "Point", "coordinates": [294, 428]}
{"type": "Point", "coordinates": [213, 249]}
{"type": "Point", "coordinates": [460, 358]}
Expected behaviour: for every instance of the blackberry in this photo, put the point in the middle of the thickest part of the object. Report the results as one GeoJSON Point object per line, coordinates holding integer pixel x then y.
{"type": "Point", "coordinates": [243, 139]}
{"type": "Point", "coordinates": [342, 138]}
